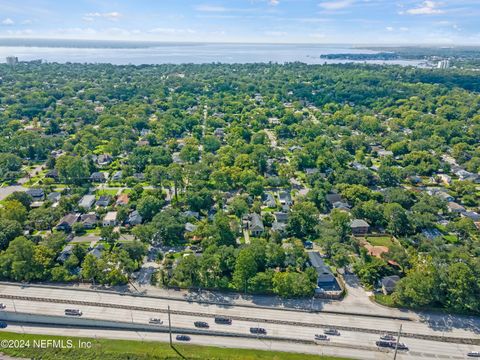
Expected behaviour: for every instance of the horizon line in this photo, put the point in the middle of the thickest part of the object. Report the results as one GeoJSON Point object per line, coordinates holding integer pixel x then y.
{"type": "Point", "coordinates": [353, 44]}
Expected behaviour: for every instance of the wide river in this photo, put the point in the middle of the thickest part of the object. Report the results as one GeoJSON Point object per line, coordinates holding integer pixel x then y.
{"type": "Point", "coordinates": [178, 53]}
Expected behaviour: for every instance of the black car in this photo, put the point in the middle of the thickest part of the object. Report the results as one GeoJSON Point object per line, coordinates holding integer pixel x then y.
{"type": "Point", "coordinates": [387, 337]}
{"type": "Point", "coordinates": [223, 320]}
{"type": "Point", "coordinates": [332, 332]}
{"type": "Point", "coordinates": [3, 324]}
{"type": "Point", "coordinates": [183, 338]}
{"type": "Point", "coordinates": [258, 330]}
{"type": "Point", "coordinates": [201, 324]}
{"type": "Point", "coordinates": [384, 343]}
{"type": "Point", "coordinates": [474, 354]}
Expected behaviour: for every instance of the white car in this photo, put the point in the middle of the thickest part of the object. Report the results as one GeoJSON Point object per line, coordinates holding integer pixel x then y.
{"type": "Point", "coordinates": [155, 321]}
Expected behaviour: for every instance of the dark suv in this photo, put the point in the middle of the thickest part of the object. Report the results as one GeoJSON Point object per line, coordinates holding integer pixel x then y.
{"type": "Point", "coordinates": [223, 320]}
{"type": "Point", "coordinates": [201, 324]}
{"type": "Point", "coordinates": [258, 330]}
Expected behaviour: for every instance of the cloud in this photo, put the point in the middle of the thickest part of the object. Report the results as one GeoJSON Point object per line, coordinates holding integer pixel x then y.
{"type": "Point", "coordinates": [426, 8]}
{"type": "Point", "coordinates": [26, 32]}
{"type": "Point", "coordinates": [275, 33]}
{"type": "Point", "coordinates": [8, 21]}
{"type": "Point", "coordinates": [274, 2]}
{"type": "Point", "coordinates": [171, 31]}
{"type": "Point", "coordinates": [389, 28]}
{"type": "Point", "coordinates": [211, 8]}
{"type": "Point", "coordinates": [335, 5]}
{"type": "Point", "coordinates": [113, 16]}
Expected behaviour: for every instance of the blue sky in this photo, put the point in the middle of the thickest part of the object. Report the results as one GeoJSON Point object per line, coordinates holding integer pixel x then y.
{"type": "Point", "coordinates": [287, 21]}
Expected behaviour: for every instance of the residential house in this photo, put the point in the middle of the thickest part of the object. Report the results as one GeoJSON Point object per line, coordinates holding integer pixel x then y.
{"type": "Point", "coordinates": [255, 224]}
{"type": "Point", "coordinates": [104, 159]}
{"type": "Point", "coordinates": [98, 177]}
{"type": "Point", "coordinates": [37, 194]}
{"type": "Point", "coordinates": [473, 215]}
{"type": "Point", "coordinates": [190, 213]}
{"type": "Point", "coordinates": [359, 227]}
{"type": "Point", "coordinates": [110, 219]}
{"type": "Point", "coordinates": [134, 218]}
{"type": "Point", "coordinates": [52, 174]}
{"type": "Point", "coordinates": [87, 201]}
{"type": "Point", "coordinates": [333, 198]}
{"type": "Point", "coordinates": [454, 207]}
{"type": "Point", "coordinates": [269, 201]}
{"type": "Point", "coordinates": [279, 227]}
{"type": "Point", "coordinates": [431, 233]}
{"type": "Point", "coordinates": [54, 197]}
{"type": "Point", "coordinates": [281, 217]}
{"type": "Point", "coordinates": [219, 132]}
{"type": "Point", "coordinates": [89, 221]}
{"type": "Point", "coordinates": [103, 201]}
{"type": "Point", "coordinates": [444, 196]}
{"type": "Point", "coordinates": [176, 158]}
{"type": "Point", "coordinates": [389, 283]}
{"type": "Point", "coordinates": [66, 223]}
{"type": "Point", "coordinates": [122, 199]}
{"type": "Point", "coordinates": [285, 198]}
{"type": "Point", "coordinates": [326, 281]}
{"type": "Point", "coordinates": [445, 179]}
{"type": "Point", "coordinates": [65, 253]}
{"type": "Point", "coordinates": [381, 152]}
{"type": "Point", "coordinates": [117, 176]}
{"type": "Point", "coordinates": [36, 204]}
{"type": "Point", "coordinates": [97, 250]}
{"type": "Point", "coordinates": [311, 171]}
{"type": "Point", "coordinates": [341, 205]}
{"type": "Point", "coordinates": [189, 227]}
{"type": "Point", "coordinates": [274, 120]}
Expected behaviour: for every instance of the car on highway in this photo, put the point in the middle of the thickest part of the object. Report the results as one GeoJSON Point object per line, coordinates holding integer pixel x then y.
{"type": "Point", "coordinates": [334, 332]}
{"type": "Point", "coordinates": [392, 345]}
{"type": "Point", "coordinates": [201, 324]}
{"type": "Point", "coordinates": [183, 338]}
{"type": "Point", "coordinates": [384, 343]}
{"type": "Point", "coordinates": [73, 312]}
{"type": "Point", "coordinates": [258, 330]}
{"type": "Point", "coordinates": [321, 337]}
{"type": "Point", "coordinates": [155, 321]}
{"type": "Point", "coordinates": [223, 320]}
{"type": "Point", "coordinates": [2, 306]}
{"type": "Point", "coordinates": [474, 354]}
{"type": "Point", "coordinates": [401, 346]}
{"type": "Point", "coordinates": [387, 337]}
{"type": "Point", "coordinates": [3, 324]}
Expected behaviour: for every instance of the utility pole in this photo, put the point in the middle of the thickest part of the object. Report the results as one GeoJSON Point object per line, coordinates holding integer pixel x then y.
{"type": "Point", "coordinates": [169, 326]}
{"type": "Point", "coordinates": [396, 344]}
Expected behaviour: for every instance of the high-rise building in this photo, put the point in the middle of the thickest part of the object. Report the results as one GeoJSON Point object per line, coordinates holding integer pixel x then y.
{"type": "Point", "coordinates": [12, 60]}
{"type": "Point", "coordinates": [444, 64]}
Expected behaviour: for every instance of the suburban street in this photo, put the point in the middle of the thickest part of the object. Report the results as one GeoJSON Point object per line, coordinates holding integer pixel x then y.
{"type": "Point", "coordinates": [358, 333]}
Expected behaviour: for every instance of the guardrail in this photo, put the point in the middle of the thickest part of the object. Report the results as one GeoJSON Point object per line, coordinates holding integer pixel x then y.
{"type": "Point", "coordinates": [448, 339]}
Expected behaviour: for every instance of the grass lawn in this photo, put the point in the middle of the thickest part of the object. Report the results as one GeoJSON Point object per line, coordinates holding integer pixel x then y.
{"type": "Point", "coordinates": [451, 238]}
{"type": "Point", "coordinates": [107, 349]}
{"type": "Point", "coordinates": [384, 300]}
{"type": "Point", "coordinates": [108, 192]}
{"type": "Point", "coordinates": [381, 241]}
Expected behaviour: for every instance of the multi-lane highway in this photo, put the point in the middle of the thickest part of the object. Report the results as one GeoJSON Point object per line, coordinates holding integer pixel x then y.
{"type": "Point", "coordinates": [357, 340]}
